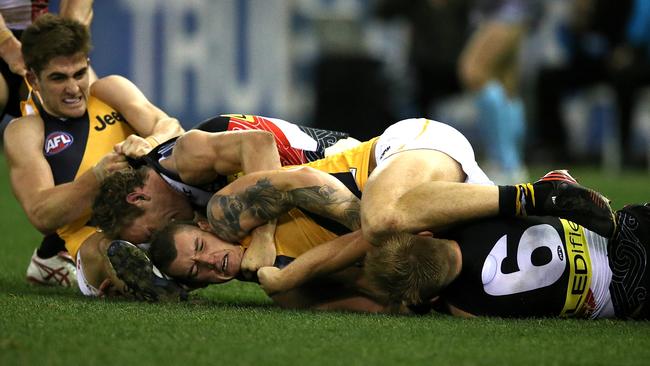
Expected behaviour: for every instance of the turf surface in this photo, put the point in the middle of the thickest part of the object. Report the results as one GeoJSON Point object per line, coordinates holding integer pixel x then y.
{"type": "Point", "coordinates": [235, 324]}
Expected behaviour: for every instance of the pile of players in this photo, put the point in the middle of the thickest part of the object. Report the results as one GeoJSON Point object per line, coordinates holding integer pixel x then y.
{"type": "Point", "coordinates": [406, 222]}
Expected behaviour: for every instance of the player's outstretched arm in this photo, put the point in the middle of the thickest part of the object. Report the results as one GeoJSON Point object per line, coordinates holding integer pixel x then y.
{"type": "Point", "coordinates": [200, 156]}
{"type": "Point", "coordinates": [152, 125]}
{"type": "Point", "coordinates": [79, 10]}
{"type": "Point", "coordinates": [47, 206]}
{"type": "Point", "coordinates": [320, 261]}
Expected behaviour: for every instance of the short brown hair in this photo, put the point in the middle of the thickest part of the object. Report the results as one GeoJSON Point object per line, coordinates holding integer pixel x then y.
{"type": "Point", "coordinates": [408, 268]}
{"type": "Point", "coordinates": [162, 250]}
{"type": "Point", "coordinates": [51, 36]}
{"type": "Point", "coordinates": [111, 211]}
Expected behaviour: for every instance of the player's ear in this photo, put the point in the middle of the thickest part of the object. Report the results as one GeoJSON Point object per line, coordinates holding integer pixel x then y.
{"type": "Point", "coordinates": [203, 224]}
{"type": "Point", "coordinates": [426, 234]}
{"type": "Point", "coordinates": [136, 198]}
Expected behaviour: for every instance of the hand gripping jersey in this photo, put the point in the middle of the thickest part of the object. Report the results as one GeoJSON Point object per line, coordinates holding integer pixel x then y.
{"type": "Point", "coordinates": [545, 266]}
{"type": "Point", "coordinates": [72, 146]}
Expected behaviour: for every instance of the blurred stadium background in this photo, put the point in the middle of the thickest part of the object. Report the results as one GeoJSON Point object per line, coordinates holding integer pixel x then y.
{"type": "Point", "coordinates": [330, 63]}
{"type": "Point", "coordinates": [337, 64]}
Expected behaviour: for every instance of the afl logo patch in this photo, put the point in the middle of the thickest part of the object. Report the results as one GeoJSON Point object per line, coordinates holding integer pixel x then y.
{"type": "Point", "coordinates": [57, 142]}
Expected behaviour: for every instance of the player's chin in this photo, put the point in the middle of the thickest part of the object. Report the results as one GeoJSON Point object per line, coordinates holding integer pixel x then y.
{"type": "Point", "coordinates": [74, 110]}
{"type": "Point", "coordinates": [221, 280]}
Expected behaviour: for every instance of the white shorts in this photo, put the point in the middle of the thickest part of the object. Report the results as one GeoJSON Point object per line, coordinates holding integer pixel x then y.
{"type": "Point", "coordinates": [85, 288]}
{"type": "Point", "coordinates": [421, 133]}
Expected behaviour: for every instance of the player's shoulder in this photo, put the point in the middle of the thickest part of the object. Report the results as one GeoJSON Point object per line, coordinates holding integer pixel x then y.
{"type": "Point", "coordinates": [110, 85]}
{"type": "Point", "coordinates": [22, 135]}
{"type": "Point", "coordinates": [25, 124]}
{"type": "Point", "coordinates": [111, 79]}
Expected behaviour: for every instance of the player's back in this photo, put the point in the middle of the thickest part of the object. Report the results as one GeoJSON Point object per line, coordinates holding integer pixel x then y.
{"type": "Point", "coordinates": [531, 267]}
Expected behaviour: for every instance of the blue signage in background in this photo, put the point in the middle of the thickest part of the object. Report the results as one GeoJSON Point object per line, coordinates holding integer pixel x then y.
{"type": "Point", "coordinates": [199, 58]}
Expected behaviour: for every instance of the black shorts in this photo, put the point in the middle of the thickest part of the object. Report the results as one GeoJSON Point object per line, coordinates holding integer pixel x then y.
{"type": "Point", "coordinates": [16, 85]}
{"type": "Point", "coordinates": [628, 260]}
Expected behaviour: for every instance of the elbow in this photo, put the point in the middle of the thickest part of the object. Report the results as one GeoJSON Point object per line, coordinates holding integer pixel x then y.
{"type": "Point", "coordinates": [41, 221]}
{"type": "Point", "coordinates": [171, 127]}
{"type": "Point", "coordinates": [377, 226]}
{"type": "Point", "coordinates": [262, 144]}
{"type": "Point", "coordinates": [304, 176]}
{"type": "Point", "coordinates": [263, 138]}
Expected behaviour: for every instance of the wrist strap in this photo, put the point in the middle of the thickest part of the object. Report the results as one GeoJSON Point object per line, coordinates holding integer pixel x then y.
{"type": "Point", "coordinates": [152, 141]}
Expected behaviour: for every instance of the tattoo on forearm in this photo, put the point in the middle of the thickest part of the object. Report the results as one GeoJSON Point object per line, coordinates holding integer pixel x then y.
{"type": "Point", "coordinates": [263, 201]}
{"type": "Point", "coordinates": [327, 201]}
{"type": "Point", "coordinates": [227, 227]}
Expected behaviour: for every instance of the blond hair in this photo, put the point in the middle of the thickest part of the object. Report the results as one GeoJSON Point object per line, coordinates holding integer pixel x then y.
{"type": "Point", "coordinates": [410, 268]}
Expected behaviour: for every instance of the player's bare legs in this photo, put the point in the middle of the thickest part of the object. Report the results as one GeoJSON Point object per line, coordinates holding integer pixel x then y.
{"type": "Point", "coordinates": [383, 210]}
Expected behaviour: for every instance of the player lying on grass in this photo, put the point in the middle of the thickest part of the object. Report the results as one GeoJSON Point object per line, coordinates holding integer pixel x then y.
{"type": "Point", "coordinates": [199, 258]}
{"type": "Point", "coordinates": [453, 163]}
{"type": "Point", "coordinates": [353, 166]}
{"type": "Point", "coordinates": [499, 266]}
{"type": "Point", "coordinates": [532, 267]}
{"type": "Point", "coordinates": [204, 157]}
{"type": "Point", "coordinates": [439, 151]}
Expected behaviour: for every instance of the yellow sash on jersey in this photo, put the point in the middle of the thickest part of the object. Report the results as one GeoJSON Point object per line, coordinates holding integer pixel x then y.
{"type": "Point", "coordinates": [579, 263]}
{"type": "Point", "coordinates": [106, 128]}
{"type": "Point", "coordinates": [100, 142]}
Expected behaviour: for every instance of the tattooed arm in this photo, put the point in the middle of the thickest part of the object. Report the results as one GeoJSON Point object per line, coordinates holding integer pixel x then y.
{"type": "Point", "coordinates": [254, 199]}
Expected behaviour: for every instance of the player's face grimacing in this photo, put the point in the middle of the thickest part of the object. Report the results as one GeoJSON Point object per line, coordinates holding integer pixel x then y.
{"type": "Point", "coordinates": [202, 258]}
{"type": "Point", "coordinates": [64, 86]}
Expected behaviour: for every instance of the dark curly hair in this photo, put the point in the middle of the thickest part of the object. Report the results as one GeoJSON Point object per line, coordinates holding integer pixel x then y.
{"type": "Point", "coordinates": [51, 36]}
{"type": "Point", "coordinates": [111, 211]}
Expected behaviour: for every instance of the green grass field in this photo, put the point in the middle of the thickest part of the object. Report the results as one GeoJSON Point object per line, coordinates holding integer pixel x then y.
{"type": "Point", "coordinates": [235, 324]}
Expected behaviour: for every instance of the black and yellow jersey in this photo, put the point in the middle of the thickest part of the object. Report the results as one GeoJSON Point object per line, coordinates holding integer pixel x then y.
{"type": "Point", "coordinates": [74, 145]}
{"type": "Point", "coordinates": [531, 267]}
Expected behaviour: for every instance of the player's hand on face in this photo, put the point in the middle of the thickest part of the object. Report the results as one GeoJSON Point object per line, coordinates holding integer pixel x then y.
{"type": "Point", "coordinates": [256, 257]}
{"type": "Point", "coordinates": [270, 279]}
{"type": "Point", "coordinates": [111, 162]}
{"type": "Point", "coordinates": [12, 55]}
{"type": "Point", "coordinates": [134, 147]}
